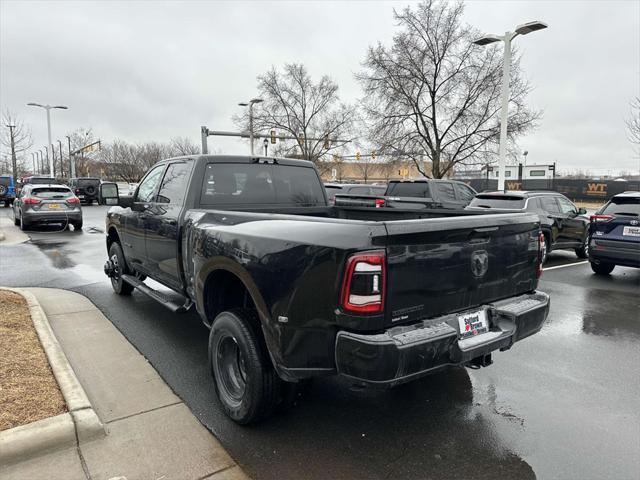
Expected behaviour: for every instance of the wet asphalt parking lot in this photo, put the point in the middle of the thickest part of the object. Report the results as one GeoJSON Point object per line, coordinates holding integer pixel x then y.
{"type": "Point", "coordinates": [561, 404]}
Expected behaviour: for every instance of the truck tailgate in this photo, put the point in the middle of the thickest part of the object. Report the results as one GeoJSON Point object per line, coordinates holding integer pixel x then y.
{"type": "Point", "coordinates": [453, 264]}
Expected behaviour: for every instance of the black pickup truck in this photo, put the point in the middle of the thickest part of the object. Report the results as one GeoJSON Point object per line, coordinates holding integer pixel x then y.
{"type": "Point", "coordinates": [413, 195]}
{"type": "Point", "coordinates": [293, 288]}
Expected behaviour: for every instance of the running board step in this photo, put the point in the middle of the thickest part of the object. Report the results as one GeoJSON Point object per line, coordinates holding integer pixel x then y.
{"type": "Point", "coordinates": [158, 296]}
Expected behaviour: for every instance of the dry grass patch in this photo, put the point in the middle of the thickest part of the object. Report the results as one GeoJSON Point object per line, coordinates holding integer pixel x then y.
{"type": "Point", "coordinates": [28, 389]}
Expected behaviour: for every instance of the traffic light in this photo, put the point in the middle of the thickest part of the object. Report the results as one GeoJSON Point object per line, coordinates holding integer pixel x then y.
{"type": "Point", "coordinates": [358, 156]}
{"type": "Point", "coordinates": [273, 136]}
{"type": "Point", "coordinates": [373, 155]}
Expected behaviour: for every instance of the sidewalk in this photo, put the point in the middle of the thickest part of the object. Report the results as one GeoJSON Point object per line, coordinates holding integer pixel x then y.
{"type": "Point", "coordinates": [151, 434]}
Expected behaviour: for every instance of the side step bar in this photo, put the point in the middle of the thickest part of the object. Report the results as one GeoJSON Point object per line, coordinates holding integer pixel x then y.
{"type": "Point", "coordinates": [158, 296]}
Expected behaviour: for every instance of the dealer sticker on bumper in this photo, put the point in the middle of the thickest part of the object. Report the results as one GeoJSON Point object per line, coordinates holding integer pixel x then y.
{"type": "Point", "coordinates": [472, 324]}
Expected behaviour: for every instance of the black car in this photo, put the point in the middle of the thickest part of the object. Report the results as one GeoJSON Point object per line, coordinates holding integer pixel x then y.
{"type": "Point", "coordinates": [334, 189]}
{"type": "Point", "coordinates": [87, 189]}
{"type": "Point", "coordinates": [563, 224]}
{"type": "Point", "coordinates": [294, 288]}
{"type": "Point", "coordinates": [614, 234]}
{"type": "Point", "coordinates": [421, 194]}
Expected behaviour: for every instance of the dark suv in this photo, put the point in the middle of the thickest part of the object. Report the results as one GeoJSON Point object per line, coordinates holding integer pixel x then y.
{"type": "Point", "coordinates": [563, 224]}
{"type": "Point", "coordinates": [614, 234]}
{"type": "Point", "coordinates": [86, 189]}
{"type": "Point", "coordinates": [7, 190]}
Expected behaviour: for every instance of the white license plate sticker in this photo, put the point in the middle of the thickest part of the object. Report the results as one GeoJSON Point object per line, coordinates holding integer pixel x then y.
{"type": "Point", "coordinates": [472, 324]}
{"type": "Point", "coordinates": [631, 231]}
{"type": "Point", "coordinates": [80, 196]}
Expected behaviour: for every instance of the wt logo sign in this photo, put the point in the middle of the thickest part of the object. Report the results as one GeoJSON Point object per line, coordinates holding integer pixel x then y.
{"type": "Point", "coordinates": [596, 189]}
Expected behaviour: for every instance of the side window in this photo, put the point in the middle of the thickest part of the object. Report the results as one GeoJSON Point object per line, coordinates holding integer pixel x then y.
{"type": "Point", "coordinates": [445, 191]}
{"type": "Point", "coordinates": [550, 205]}
{"type": "Point", "coordinates": [567, 207]}
{"type": "Point", "coordinates": [534, 204]}
{"type": "Point", "coordinates": [147, 187]}
{"type": "Point", "coordinates": [464, 192]}
{"type": "Point", "coordinates": [173, 188]}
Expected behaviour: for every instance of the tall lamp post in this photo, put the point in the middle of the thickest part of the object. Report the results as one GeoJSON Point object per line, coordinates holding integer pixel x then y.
{"type": "Point", "coordinates": [48, 109]}
{"type": "Point", "coordinates": [524, 154]}
{"type": "Point", "coordinates": [46, 156]}
{"type": "Point", "coordinates": [250, 104]}
{"type": "Point", "coordinates": [61, 162]}
{"type": "Point", "coordinates": [507, 38]}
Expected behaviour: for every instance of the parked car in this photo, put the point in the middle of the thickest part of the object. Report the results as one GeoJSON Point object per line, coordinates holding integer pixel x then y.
{"type": "Point", "coordinates": [334, 189]}
{"type": "Point", "coordinates": [293, 288]}
{"type": "Point", "coordinates": [565, 226]}
{"type": "Point", "coordinates": [86, 189]}
{"type": "Point", "coordinates": [39, 204]}
{"type": "Point", "coordinates": [415, 195]}
{"type": "Point", "coordinates": [38, 180]}
{"type": "Point", "coordinates": [7, 190]}
{"type": "Point", "coordinates": [614, 234]}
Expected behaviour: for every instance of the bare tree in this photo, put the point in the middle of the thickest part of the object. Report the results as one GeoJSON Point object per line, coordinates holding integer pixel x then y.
{"type": "Point", "coordinates": [633, 123]}
{"type": "Point", "coordinates": [16, 139]}
{"type": "Point", "coordinates": [434, 93]}
{"type": "Point", "coordinates": [182, 146]}
{"type": "Point", "coordinates": [297, 106]}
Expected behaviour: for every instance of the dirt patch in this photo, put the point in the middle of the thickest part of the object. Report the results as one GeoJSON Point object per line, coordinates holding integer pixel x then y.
{"type": "Point", "coordinates": [28, 389]}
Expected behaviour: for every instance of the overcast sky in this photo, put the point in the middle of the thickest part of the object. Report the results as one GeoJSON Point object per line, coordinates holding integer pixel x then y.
{"type": "Point", "coordinates": [152, 70]}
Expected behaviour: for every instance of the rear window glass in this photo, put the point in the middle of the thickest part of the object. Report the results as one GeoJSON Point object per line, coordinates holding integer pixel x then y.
{"type": "Point", "coordinates": [487, 201]}
{"type": "Point", "coordinates": [53, 193]}
{"type": "Point", "coordinates": [378, 190]}
{"type": "Point", "coordinates": [260, 184]}
{"type": "Point", "coordinates": [409, 189]}
{"type": "Point", "coordinates": [619, 206]}
{"type": "Point", "coordinates": [81, 182]}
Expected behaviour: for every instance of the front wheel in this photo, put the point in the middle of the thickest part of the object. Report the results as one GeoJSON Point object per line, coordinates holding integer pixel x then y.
{"type": "Point", "coordinates": [248, 387]}
{"type": "Point", "coordinates": [119, 268]}
{"type": "Point", "coordinates": [77, 226]}
{"type": "Point", "coordinates": [602, 268]}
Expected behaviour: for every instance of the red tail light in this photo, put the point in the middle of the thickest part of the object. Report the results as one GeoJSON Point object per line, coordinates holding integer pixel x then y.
{"type": "Point", "coordinates": [600, 218]}
{"type": "Point", "coordinates": [31, 201]}
{"type": "Point", "coordinates": [73, 200]}
{"type": "Point", "coordinates": [541, 248]}
{"type": "Point", "coordinates": [380, 202]}
{"type": "Point", "coordinates": [364, 284]}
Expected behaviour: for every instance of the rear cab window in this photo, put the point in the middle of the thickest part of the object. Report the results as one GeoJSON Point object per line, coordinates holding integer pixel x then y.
{"type": "Point", "coordinates": [498, 201]}
{"type": "Point", "coordinates": [261, 184]}
{"type": "Point", "coordinates": [409, 189]}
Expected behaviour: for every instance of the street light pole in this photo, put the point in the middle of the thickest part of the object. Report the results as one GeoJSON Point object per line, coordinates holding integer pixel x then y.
{"type": "Point", "coordinates": [250, 104]}
{"type": "Point", "coordinates": [48, 109]}
{"type": "Point", "coordinates": [506, 80]}
{"type": "Point", "coordinates": [61, 162]}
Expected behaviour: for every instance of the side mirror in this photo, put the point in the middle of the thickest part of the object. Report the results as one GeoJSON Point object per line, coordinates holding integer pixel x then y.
{"type": "Point", "coordinates": [108, 194]}
{"type": "Point", "coordinates": [582, 211]}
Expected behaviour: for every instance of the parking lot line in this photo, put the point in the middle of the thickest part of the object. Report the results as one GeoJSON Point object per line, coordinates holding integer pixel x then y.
{"type": "Point", "coordinates": [567, 265]}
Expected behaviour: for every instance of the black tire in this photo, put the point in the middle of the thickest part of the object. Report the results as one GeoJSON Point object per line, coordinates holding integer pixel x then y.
{"type": "Point", "coordinates": [547, 249]}
{"type": "Point", "coordinates": [602, 268]}
{"type": "Point", "coordinates": [16, 220]}
{"type": "Point", "coordinates": [77, 226]}
{"type": "Point", "coordinates": [120, 265]}
{"type": "Point", "coordinates": [583, 251]}
{"type": "Point", "coordinates": [248, 387]}
{"type": "Point", "coordinates": [7, 203]}
{"type": "Point", "coordinates": [24, 225]}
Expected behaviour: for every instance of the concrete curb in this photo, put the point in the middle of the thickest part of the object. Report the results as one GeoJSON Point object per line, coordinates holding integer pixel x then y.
{"type": "Point", "coordinates": [80, 423]}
